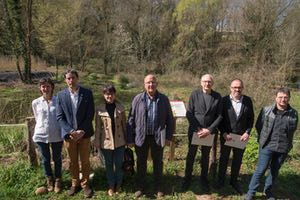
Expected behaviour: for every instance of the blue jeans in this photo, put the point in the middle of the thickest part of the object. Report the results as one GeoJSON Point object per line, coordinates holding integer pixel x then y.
{"type": "Point", "coordinates": [46, 157]}
{"type": "Point", "coordinates": [266, 158]}
{"type": "Point", "coordinates": [113, 165]}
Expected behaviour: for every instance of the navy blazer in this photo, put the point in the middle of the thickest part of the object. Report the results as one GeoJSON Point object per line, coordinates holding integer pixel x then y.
{"type": "Point", "coordinates": [233, 124]}
{"type": "Point", "coordinates": [201, 117]}
{"type": "Point", "coordinates": [84, 115]}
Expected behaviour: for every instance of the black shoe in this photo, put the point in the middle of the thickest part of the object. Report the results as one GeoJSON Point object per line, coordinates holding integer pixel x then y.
{"type": "Point", "coordinates": [237, 187]}
{"type": "Point", "coordinates": [220, 185]}
{"type": "Point", "coordinates": [205, 184]}
{"type": "Point", "coordinates": [269, 196]}
{"type": "Point", "coordinates": [185, 185]}
{"type": "Point", "coordinates": [73, 190]}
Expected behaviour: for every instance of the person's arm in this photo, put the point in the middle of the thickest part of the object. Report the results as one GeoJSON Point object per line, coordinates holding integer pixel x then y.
{"type": "Point", "coordinates": [98, 130]}
{"type": "Point", "coordinates": [170, 121]}
{"type": "Point", "coordinates": [259, 123]}
{"type": "Point", "coordinates": [131, 125]}
{"type": "Point", "coordinates": [250, 120]}
{"type": "Point", "coordinates": [61, 118]}
{"type": "Point", "coordinates": [190, 114]}
{"type": "Point", "coordinates": [218, 118]}
{"type": "Point", "coordinates": [90, 112]}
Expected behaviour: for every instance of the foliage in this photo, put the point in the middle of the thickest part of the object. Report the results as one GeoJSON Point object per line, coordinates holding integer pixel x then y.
{"type": "Point", "coordinates": [12, 138]}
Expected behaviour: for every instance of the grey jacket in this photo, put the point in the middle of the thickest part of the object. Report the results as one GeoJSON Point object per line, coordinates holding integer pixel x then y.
{"type": "Point", "coordinates": [265, 122]}
{"type": "Point", "coordinates": [136, 125]}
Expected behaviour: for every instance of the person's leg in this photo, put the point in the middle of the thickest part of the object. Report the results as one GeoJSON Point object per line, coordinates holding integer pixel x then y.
{"type": "Point", "coordinates": [142, 155]}
{"type": "Point", "coordinates": [46, 158]}
{"type": "Point", "coordinates": [264, 158]}
{"type": "Point", "coordinates": [189, 163]}
{"type": "Point", "coordinates": [72, 148]}
{"type": "Point", "coordinates": [223, 162]}
{"type": "Point", "coordinates": [205, 150]}
{"type": "Point", "coordinates": [109, 167]}
{"type": "Point", "coordinates": [56, 155]}
{"type": "Point", "coordinates": [157, 157]}
{"type": "Point", "coordinates": [118, 161]}
{"type": "Point", "coordinates": [84, 146]}
{"type": "Point", "coordinates": [276, 163]}
{"type": "Point", "coordinates": [236, 164]}
{"type": "Point", "coordinates": [46, 161]}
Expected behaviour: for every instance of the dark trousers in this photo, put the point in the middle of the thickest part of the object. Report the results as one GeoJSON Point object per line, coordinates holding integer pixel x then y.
{"type": "Point", "coordinates": [113, 165]}
{"type": "Point", "coordinates": [235, 165]}
{"type": "Point", "coordinates": [142, 155]}
{"type": "Point", "coordinates": [56, 148]}
{"type": "Point", "coordinates": [204, 161]}
{"type": "Point", "coordinates": [266, 159]}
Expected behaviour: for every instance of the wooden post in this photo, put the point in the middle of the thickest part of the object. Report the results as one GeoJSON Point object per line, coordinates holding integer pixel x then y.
{"type": "Point", "coordinates": [30, 121]}
{"type": "Point", "coordinates": [172, 143]}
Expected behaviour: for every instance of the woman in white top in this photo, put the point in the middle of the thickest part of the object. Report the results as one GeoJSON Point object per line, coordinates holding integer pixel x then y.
{"type": "Point", "coordinates": [47, 133]}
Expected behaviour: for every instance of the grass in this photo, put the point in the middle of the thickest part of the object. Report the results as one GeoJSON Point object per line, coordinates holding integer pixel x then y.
{"type": "Point", "coordinates": [19, 180]}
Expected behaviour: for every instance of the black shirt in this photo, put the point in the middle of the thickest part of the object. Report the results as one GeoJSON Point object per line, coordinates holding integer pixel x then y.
{"type": "Point", "coordinates": [110, 107]}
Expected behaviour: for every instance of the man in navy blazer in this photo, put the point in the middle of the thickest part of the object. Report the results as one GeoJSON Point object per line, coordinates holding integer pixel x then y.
{"type": "Point", "coordinates": [204, 114]}
{"type": "Point", "coordinates": [75, 113]}
{"type": "Point", "coordinates": [238, 118]}
{"type": "Point", "coordinates": [150, 126]}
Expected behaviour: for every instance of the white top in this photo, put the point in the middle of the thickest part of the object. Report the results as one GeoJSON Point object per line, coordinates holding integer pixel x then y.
{"type": "Point", "coordinates": [47, 129]}
{"type": "Point", "coordinates": [237, 105]}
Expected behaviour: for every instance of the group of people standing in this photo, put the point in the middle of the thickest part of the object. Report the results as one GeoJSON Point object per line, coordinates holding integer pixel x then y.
{"type": "Point", "coordinates": [68, 117]}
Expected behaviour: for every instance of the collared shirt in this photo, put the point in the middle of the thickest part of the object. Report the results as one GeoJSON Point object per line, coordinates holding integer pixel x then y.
{"type": "Point", "coordinates": [74, 100]}
{"type": "Point", "coordinates": [47, 129]}
{"type": "Point", "coordinates": [237, 105]}
{"type": "Point", "coordinates": [151, 114]}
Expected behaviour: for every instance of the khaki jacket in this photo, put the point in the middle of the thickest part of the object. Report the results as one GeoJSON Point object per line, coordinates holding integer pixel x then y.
{"type": "Point", "coordinates": [103, 133]}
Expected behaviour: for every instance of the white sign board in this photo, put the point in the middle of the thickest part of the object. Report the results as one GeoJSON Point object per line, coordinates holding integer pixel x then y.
{"type": "Point", "coordinates": [178, 108]}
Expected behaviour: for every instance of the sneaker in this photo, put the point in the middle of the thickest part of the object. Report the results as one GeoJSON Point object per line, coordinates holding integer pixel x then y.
{"type": "Point", "coordinates": [159, 194]}
{"type": "Point", "coordinates": [50, 187]}
{"type": "Point", "coordinates": [110, 192]}
{"type": "Point", "coordinates": [88, 192]}
{"type": "Point", "coordinates": [138, 193]}
{"type": "Point", "coordinates": [73, 190]}
{"type": "Point", "coordinates": [57, 185]}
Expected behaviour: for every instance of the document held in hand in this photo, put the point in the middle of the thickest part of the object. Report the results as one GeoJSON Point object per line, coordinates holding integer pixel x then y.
{"type": "Point", "coordinates": [236, 142]}
{"type": "Point", "coordinates": [207, 141]}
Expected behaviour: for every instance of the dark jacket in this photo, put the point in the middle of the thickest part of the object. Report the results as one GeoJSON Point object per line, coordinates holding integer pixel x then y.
{"type": "Point", "coordinates": [265, 122]}
{"type": "Point", "coordinates": [201, 117]}
{"type": "Point", "coordinates": [233, 124]}
{"type": "Point", "coordinates": [136, 125]}
{"type": "Point", "coordinates": [84, 115]}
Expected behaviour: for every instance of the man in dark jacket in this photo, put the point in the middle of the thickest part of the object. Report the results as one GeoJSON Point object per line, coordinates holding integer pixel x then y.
{"type": "Point", "coordinates": [204, 114]}
{"type": "Point", "coordinates": [75, 113]}
{"type": "Point", "coordinates": [150, 126]}
{"type": "Point", "coordinates": [238, 117]}
{"type": "Point", "coordinates": [276, 125]}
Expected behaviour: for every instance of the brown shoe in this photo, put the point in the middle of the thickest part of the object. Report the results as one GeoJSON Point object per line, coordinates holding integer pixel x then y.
{"type": "Point", "coordinates": [73, 190]}
{"type": "Point", "coordinates": [159, 194]}
{"type": "Point", "coordinates": [57, 185]}
{"type": "Point", "coordinates": [138, 193]}
{"type": "Point", "coordinates": [50, 184]}
{"type": "Point", "coordinates": [88, 192]}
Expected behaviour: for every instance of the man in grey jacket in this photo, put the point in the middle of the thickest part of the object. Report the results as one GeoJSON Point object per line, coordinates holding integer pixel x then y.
{"type": "Point", "coordinates": [150, 126]}
{"type": "Point", "coordinates": [276, 125]}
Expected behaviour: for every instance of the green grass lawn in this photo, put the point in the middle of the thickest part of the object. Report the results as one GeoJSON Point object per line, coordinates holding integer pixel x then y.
{"type": "Point", "coordinates": [19, 180]}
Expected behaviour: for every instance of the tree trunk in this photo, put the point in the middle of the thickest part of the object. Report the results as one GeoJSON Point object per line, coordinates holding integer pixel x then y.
{"type": "Point", "coordinates": [27, 59]}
